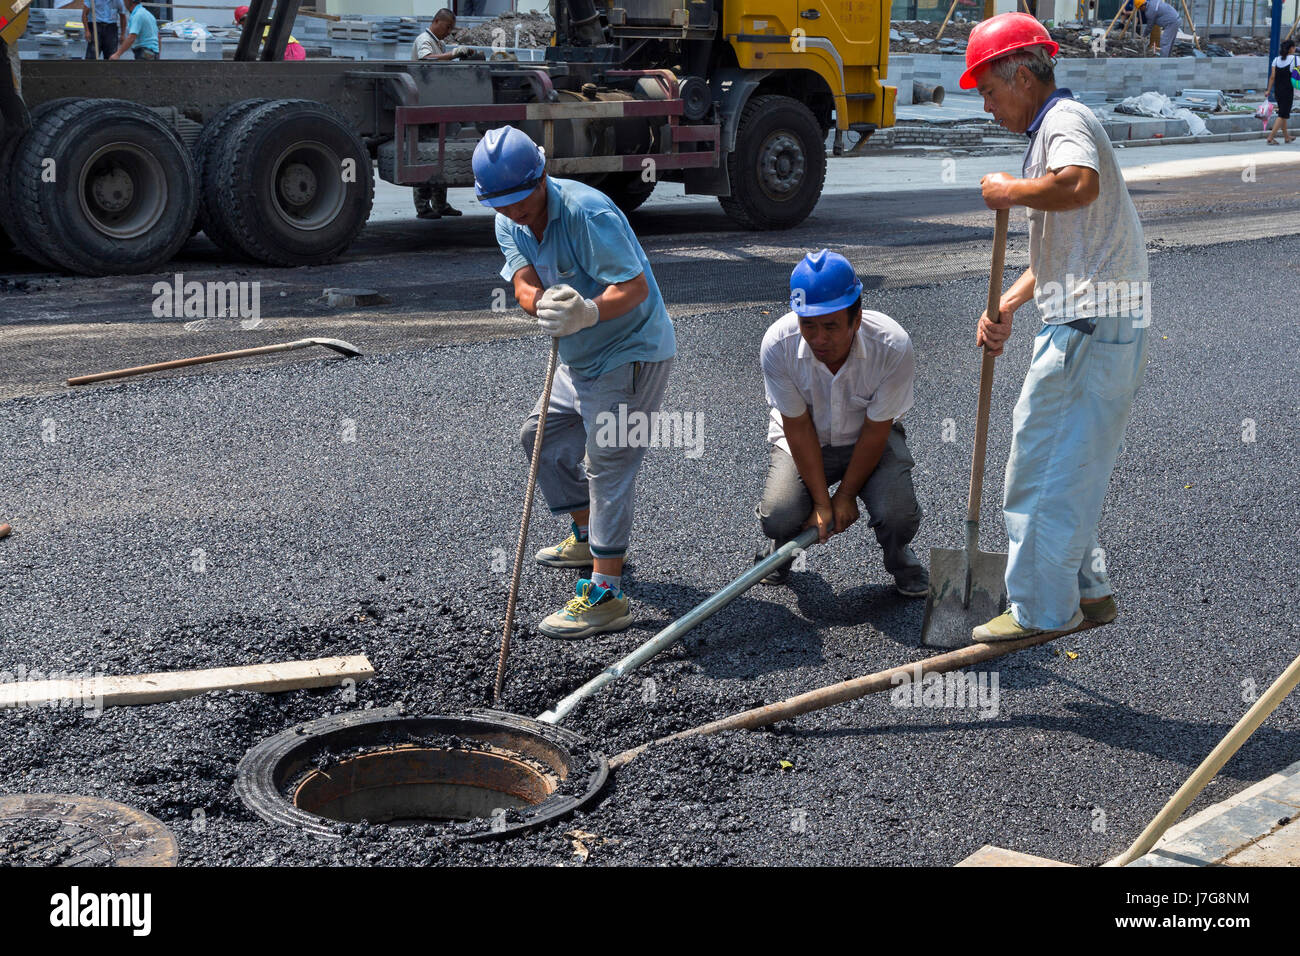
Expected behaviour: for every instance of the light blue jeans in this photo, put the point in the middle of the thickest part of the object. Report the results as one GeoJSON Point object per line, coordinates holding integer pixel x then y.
{"type": "Point", "coordinates": [1067, 430]}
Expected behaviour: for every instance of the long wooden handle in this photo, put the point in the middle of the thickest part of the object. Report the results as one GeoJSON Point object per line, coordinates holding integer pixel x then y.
{"type": "Point", "coordinates": [1212, 764]}
{"type": "Point", "coordinates": [986, 370]}
{"type": "Point", "coordinates": [182, 363]}
{"type": "Point", "coordinates": [852, 689]}
{"type": "Point", "coordinates": [504, 655]}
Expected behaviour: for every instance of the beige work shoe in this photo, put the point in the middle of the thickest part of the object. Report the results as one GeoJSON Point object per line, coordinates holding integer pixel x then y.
{"type": "Point", "coordinates": [593, 610]}
{"type": "Point", "coordinates": [569, 553]}
{"type": "Point", "coordinates": [1005, 627]}
{"type": "Point", "coordinates": [1100, 612]}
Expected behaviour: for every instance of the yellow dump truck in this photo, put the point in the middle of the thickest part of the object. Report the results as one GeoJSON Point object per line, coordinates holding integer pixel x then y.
{"type": "Point", "coordinates": [733, 98]}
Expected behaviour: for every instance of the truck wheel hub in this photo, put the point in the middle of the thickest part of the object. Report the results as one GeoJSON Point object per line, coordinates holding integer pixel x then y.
{"type": "Point", "coordinates": [781, 165]}
{"type": "Point", "coordinates": [309, 186]}
{"type": "Point", "coordinates": [297, 184]}
{"type": "Point", "coordinates": [113, 190]}
{"type": "Point", "coordinates": [122, 190]}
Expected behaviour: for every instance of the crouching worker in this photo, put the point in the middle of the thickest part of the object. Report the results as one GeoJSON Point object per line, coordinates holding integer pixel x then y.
{"type": "Point", "coordinates": [838, 379]}
{"type": "Point", "coordinates": [577, 266]}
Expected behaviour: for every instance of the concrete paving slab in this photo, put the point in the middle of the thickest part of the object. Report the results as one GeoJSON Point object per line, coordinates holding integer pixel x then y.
{"type": "Point", "coordinates": [1281, 848]}
{"type": "Point", "coordinates": [1230, 834]}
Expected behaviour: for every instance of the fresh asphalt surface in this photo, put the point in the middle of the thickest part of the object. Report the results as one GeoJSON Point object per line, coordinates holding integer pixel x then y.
{"type": "Point", "coordinates": [371, 506]}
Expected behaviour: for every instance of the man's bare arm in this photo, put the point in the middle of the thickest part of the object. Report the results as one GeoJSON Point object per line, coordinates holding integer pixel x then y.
{"type": "Point", "coordinates": [1070, 187]}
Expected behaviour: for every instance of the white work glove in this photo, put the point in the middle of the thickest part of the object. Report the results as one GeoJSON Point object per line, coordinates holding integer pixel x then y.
{"type": "Point", "coordinates": [562, 311]}
{"type": "Point", "coordinates": [461, 51]}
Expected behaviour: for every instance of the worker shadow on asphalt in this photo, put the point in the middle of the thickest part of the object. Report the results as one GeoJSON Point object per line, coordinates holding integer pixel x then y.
{"type": "Point", "coordinates": [878, 606]}
{"type": "Point", "coordinates": [1106, 721]}
{"type": "Point", "coordinates": [748, 637]}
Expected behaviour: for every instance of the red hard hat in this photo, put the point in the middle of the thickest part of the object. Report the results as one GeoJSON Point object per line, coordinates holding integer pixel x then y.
{"type": "Point", "coordinates": [998, 36]}
{"type": "Point", "coordinates": [240, 13]}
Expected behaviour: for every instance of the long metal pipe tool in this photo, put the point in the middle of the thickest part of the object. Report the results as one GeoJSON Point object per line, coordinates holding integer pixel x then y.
{"type": "Point", "coordinates": [674, 632]}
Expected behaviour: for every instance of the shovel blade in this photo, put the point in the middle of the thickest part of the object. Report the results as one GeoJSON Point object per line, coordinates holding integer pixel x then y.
{"type": "Point", "coordinates": [951, 611]}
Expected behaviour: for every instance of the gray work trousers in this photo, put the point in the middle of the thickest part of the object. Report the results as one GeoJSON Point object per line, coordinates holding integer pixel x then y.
{"type": "Point", "coordinates": [888, 495]}
{"type": "Point", "coordinates": [586, 463]}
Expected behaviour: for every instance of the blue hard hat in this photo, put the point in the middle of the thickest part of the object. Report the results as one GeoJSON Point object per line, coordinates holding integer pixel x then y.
{"type": "Point", "coordinates": [507, 166]}
{"type": "Point", "coordinates": [822, 283]}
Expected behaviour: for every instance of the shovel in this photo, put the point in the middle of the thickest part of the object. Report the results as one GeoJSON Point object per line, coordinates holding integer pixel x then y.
{"type": "Point", "coordinates": [967, 585]}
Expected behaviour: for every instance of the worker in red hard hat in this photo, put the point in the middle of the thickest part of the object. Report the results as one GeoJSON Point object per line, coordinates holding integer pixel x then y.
{"type": "Point", "coordinates": [1088, 276]}
{"type": "Point", "coordinates": [293, 50]}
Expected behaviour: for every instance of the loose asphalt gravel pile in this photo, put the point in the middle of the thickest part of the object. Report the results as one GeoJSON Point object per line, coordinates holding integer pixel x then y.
{"type": "Point", "coordinates": [371, 506]}
{"type": "Point", "coordinates": [535, 30]}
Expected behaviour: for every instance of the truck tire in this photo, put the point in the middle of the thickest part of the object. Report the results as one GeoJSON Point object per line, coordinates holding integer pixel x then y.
{"type": "Point", "coordinates": [279, 187]}
{"type": "Point", "coordinates": [628, 190]}
{"type": "Point", "coordinates": [123, 197]}
{"type": "Point", "coordinates": [207, 152]}
{"type": "Point", "coordinates": [10, 224]}
{"type": "Point", "coordinates": [778, 166]}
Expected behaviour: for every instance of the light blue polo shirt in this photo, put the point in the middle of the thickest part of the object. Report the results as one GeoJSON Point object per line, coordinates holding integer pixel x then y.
{"type": "Point", "coordinates": [588, 244]}
{"type": "Point", "coordinates": [107, 11]}
{"type": "Point", "coordinates": [142, 23]}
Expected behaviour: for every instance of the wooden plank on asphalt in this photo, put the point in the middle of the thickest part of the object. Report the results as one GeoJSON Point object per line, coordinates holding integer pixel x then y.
{"type": "Point", "coordinates": [135, 689]}
{"type": "Point", "coordinates": [989, 855]}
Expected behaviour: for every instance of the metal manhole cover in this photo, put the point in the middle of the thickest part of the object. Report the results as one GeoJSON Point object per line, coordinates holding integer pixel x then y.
{"type": "Point", "coordinates": [61, 829]}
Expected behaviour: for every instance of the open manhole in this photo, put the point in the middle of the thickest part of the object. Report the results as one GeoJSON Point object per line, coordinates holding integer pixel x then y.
{"type": "Point", "coordinates": [476, 776]}
{"type": "Point", "coordinates": [62, 829]}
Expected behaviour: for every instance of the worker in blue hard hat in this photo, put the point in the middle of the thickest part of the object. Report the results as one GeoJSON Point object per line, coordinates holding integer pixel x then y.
{"type": "Point", "coordinates": [839, 378]}
{"type": "Point", "coordinates": [577, 266]}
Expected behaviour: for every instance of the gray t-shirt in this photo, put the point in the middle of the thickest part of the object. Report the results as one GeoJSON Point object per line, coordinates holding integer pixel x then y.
{"type": "Point", "coordinates": [426, 44]}
{"type": "Point", "coordinates": [1088, 261]}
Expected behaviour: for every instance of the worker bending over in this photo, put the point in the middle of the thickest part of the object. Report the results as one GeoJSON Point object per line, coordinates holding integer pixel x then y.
{"type": "Point", "coordinates": [1158, 15]}
{"type": "Point", "coordinates": [838, 378]}
{"type": "Point", "coordinates": [577, 266]}
{"type": "Point", "coordinates": [1088, 276]}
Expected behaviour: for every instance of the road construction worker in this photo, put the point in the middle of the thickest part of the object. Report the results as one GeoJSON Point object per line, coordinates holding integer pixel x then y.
{"type": "Point", "coordinates": [141, 37]}
{"type": "Point", "coordinates": [1160, 20]}
{"type": "Point", "coordinates": [293, 50]}
{"type": "Point", "coordinates": [838, 378]}
{"type": "Point", "coordinates": [577, 266]}
{"type": "Point", "coordinates": [431, 198]}
{"type": "Point", "coordinates": [104, 27]}
{"type": "Point", "coordinates": [1088, 276]}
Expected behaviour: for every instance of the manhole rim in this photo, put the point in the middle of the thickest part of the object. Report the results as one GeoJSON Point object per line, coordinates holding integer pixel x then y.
{"type": "Point", "coordinates": [256, 775]}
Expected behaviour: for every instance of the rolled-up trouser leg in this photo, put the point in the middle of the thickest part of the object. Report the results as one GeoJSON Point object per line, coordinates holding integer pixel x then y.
{"type": "Point", "coordinates": [619, 412]}
{"type": "Point", "coordinates": [560, 474]}
{"type": "Point", "coordinates": [785, 504]}
{"type": "Point", "coordinates": [891, 503]}
{"type": "Point", "coordinates": [1066, 433]}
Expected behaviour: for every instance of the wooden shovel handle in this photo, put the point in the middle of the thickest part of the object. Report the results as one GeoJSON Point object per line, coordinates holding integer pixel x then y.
{"type": "Point", "coordinates": [986, 370]}
{"type": "Point", "coordinates": [186, 362]}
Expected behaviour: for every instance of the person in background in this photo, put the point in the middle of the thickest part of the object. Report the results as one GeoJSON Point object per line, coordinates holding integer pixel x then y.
{"type": "Point", "coordinates": [1158, 15]}
{"type": "Point", "coordinates": [293, 50]}
{"type": "Point", "coordinates": [1279, 82]}
{"type": "Point", "coordinates": [429, 43]}
{"type": "Point", "coordinates": [141, 33]}
{"type": "Point", "coordinates": [104, 29]}
{"type": "Point", "coordinates": [431, 198]}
